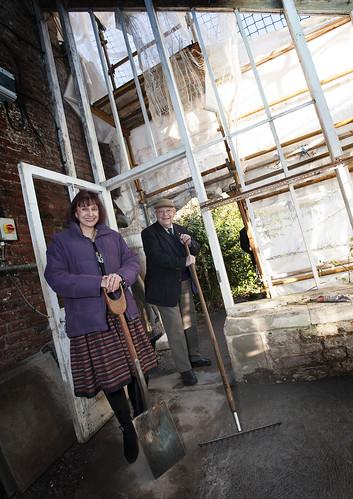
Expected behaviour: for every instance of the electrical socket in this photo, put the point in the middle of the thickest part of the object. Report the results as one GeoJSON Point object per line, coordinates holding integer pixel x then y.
{"type": "Point", "coordinates": [7, 229]}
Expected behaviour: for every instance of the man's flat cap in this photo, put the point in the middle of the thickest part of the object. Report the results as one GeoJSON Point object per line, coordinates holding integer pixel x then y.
{"type": "Point", "coordinates": [164, 202]}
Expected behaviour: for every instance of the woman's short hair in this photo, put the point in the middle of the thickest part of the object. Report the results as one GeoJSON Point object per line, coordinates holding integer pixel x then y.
{"type": "Point", "coordinates": [85, 198]}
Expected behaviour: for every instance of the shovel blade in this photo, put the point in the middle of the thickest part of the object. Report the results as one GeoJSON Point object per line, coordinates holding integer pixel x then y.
{"type": "Point", "coordinates": [159, 439]}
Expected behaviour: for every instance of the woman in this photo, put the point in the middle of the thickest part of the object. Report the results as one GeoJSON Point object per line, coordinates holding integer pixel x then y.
{"type": "Point", "coordinates": [81, 261]}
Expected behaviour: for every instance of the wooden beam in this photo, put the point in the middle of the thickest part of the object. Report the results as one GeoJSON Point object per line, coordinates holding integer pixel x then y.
{"type": "Point", "coordinates": [335, 7]}
{"type": "Point", "coordinates": [272, 187]}
{"type": "Point", "coordinates": [302, 275]}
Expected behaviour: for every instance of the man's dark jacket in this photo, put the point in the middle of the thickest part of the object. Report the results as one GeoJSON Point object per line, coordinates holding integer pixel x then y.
{"type": "Point", "coordinates": [165, 265]}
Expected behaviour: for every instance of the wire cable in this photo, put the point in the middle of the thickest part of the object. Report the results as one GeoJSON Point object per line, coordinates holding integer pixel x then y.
{"type": "Point", "coordinates": [25, 299]}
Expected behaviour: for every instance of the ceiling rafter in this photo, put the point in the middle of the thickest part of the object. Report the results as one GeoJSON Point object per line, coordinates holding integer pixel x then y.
{"type": "Point", "coordinates": [341, 7]}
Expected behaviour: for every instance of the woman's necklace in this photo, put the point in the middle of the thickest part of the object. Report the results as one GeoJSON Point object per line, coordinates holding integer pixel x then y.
{"type": "Point", "coordinates": [92, 238]}
{"type": "Point", "coordinates": [98, 255]}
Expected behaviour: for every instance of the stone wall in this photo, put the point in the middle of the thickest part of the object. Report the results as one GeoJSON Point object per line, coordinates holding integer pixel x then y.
{"type": "Point", "coordinates": [303, 336]}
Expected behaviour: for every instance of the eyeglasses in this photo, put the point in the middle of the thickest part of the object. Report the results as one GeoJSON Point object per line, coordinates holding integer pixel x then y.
{"type": "Point", "coordinates": [164, 212]}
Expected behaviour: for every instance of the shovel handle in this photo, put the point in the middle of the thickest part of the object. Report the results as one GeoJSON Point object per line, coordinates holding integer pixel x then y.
{"type": "Point", "coordinates": [222, 370]}
{"type": "Point", "coordinates": [134, 359]}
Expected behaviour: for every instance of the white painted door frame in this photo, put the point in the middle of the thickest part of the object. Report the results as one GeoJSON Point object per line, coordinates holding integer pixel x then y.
{"type": "Point", "coordinates": [88, 414]}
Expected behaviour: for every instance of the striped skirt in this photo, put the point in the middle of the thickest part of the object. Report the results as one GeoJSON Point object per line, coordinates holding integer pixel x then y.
{"type": "Point", "coordinates": [100, 360]}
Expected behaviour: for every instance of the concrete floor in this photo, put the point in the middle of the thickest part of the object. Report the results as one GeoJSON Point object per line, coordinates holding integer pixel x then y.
{"type": "Point", "coordinates": [310, 455]}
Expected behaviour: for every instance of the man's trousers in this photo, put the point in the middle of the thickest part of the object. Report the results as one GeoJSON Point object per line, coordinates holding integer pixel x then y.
{"type": "Point", "coordinates": [180, 325]}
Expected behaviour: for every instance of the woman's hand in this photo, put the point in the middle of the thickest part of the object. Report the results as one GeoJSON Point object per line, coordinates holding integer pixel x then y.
{"type": "Point", "coordinates": [185, 238]}
{"type": "Point", "coordinates": [111, 282]}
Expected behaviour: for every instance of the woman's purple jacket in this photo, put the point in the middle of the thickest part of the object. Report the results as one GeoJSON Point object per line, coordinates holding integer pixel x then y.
{"type": "Point", "coordinates": [73, 271]}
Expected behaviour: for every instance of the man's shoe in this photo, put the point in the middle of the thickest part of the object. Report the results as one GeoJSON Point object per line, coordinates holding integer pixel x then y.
{"type": "Point", "coordinates": [201, 363]}
{"type": "Point", "coordinates": [188, 378]}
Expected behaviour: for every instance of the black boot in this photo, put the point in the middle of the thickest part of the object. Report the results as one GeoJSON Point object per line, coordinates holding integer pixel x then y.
{"type": "Point", "coordinates": [131, 444]}
{"type": "Point", "coordinates": [121, 408]}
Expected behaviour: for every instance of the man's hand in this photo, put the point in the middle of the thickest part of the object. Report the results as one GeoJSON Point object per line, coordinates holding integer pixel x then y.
{"type": "Point", "coordinates": [185, 238]}
{"type": "Point", "coordinates": [190, 259]}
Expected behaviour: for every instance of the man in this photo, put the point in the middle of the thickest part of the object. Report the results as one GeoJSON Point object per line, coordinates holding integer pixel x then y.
{"type": "Point", "coordinates": [168, 286]}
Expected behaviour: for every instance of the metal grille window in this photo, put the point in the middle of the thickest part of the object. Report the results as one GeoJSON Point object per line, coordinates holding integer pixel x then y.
{"type": "Point", "coordinates": [260, 24]}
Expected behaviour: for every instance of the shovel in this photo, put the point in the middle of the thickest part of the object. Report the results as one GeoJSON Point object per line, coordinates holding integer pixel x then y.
{"type": "Point", "coordinates": [226, 385]}
{"type": "Point", "coordinates": [155, 427]}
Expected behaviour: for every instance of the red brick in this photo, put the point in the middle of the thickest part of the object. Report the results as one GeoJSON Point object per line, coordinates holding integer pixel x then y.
{"type": "Point", "coordinates": [19, 336]}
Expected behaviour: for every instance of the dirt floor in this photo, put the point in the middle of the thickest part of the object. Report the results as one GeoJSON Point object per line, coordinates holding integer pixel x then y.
{"type": "Point", "coordinates": [310, 455]}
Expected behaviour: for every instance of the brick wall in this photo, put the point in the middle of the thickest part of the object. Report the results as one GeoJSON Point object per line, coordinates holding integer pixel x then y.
{"type": "Point", "coordinates": [31, 138]}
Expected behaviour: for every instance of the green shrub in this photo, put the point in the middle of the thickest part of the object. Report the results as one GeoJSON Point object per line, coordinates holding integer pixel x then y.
{"type": "Point", "coordinates": [241, 273]}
